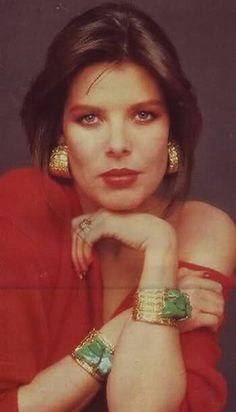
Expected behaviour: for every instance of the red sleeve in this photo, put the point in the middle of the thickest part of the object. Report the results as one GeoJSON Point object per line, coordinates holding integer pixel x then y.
{"type": "Point", "coordinates": [206, 387]}
{"type": "Point", "coordinates": [23, 325]}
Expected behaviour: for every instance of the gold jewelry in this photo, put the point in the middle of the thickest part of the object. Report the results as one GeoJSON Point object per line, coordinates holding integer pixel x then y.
{"type": "Point", "coordinates": [173, 157]}
{"type": "Point", "coordinates": [164, 307]}
{"type": "Point", "coordinates": [59, 162]}
{"type": "Point", "coordinates": [95, 355]}
{"type": "Point", "coordinates": [85, 225]}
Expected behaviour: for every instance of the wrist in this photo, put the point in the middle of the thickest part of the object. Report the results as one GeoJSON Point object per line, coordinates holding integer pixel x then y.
{"type": "Point", "coordinates": [94, 354]}
{"type": "Point", "coordinates": [160, 268]}
{"type": "Point", "coordinates": [113, 328]}
{"type": "Point", "coordinates": [161, 306]}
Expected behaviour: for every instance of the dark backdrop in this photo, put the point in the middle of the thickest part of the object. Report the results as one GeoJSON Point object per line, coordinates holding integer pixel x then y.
{"type": "Point", "coordinates": [205, 36]}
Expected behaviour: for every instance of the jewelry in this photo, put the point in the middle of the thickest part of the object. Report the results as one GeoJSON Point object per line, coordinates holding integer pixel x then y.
{"type": "Point", "coordinates": [59, 162]}
{"type": "Point", "coordinates": [173, 157]}
{"type": "Point", "coordinates": [95, 355]}
{"type": "Point", "coordinates": [164, 307]}
{"type": "Point", "coordinates": [85, 225]}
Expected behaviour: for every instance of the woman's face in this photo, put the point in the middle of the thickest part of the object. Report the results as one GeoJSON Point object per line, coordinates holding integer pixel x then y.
{"type": "Point", "coordinates": [116, 126]}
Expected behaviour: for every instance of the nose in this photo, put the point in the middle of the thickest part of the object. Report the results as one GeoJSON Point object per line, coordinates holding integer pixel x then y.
{"type": "Point", "coordinates": [118, 142]}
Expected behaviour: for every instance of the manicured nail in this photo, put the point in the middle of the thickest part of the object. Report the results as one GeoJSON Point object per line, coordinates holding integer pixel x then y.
{"type": "Point", "coordinates": [82, 274]}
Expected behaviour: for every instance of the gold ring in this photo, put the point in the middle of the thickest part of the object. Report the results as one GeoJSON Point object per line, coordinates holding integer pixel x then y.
{"type": "Point", "coordinates": [85, 225]}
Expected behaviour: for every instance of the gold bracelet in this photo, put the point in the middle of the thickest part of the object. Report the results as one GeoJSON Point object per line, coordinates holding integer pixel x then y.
{"type": "Point", "coordinates": [88, 368]}
{"type": "Point", "coordinates": [161, 306]}
{"type": "Point", "coordinates": [94, 354]}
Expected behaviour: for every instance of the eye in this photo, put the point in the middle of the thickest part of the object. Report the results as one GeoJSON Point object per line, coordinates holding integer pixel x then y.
{"type": "Point", "coordinates": [88, 119]}
{"type": "Point", "coordinates": [144, 116]}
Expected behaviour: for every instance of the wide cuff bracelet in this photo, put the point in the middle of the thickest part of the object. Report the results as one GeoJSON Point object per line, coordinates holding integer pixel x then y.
{"type": "Point", "coordinates": [164, 307]}
{"type": "Point", "coordinates": [95, 355]}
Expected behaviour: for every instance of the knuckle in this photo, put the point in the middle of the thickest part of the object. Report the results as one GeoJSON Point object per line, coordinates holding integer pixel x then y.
{"type": "Point", "coordinates": [183, 271]}
{"type": "Point", "coordinates": [74, 222]}
{"type": "Point", "coordinates": [214, 321]}
{"type": "Point", "coordinates": [183, 282]}
{"type": "Point", "coordinates": [103, 217]}
{"type": "Point", "coordinates": [196, 294]}
{"type": "Point", "coordinates": [221, 309]}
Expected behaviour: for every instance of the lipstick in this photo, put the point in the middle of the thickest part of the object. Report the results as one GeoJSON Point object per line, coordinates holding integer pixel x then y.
{"type": "Point", "coordinates": [120, 178]}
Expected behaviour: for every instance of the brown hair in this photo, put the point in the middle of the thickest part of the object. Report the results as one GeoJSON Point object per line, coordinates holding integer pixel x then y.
{"type": "Point", "coordinates": [112, 32]}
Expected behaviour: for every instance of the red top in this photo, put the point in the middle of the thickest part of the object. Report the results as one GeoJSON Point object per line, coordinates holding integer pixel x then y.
{"type": "Point", "coordinates": [45, 310]}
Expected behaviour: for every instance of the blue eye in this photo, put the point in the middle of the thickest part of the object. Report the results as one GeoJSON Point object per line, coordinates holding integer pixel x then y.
{"type": "Point", "coordinates": [145, 116]}
{"type": "Point", "coordinates": [89, 118]}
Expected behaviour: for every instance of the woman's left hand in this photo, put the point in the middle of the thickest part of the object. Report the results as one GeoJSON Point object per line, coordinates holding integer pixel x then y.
{"type": "Point", "coordinates": [206, 300]}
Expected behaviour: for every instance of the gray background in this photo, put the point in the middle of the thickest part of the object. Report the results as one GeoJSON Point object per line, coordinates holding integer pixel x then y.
{"type": "Point", "coordinates": [205, 36]}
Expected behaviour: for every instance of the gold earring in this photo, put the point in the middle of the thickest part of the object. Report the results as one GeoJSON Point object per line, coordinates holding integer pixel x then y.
{"type": "Point", "coordinates": [59, 162]}
{"type": "Point", "coordinates": [173, 157]}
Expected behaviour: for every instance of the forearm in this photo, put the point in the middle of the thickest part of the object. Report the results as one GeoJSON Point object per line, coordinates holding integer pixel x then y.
{"type": "Point", "coordinates": [58, 388]}
{"type": "Point", "coordinates": [65, 385]}
{"type": "Point", "coordinates": [148, 372]}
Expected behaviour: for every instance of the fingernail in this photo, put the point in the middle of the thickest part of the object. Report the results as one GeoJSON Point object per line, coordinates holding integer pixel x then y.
{"type": "Point", "coordinates": [82, 274]}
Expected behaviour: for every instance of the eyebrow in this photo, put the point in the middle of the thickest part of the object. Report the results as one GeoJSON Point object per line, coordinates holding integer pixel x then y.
{"type": "Point", "coordinates": [136, 106]}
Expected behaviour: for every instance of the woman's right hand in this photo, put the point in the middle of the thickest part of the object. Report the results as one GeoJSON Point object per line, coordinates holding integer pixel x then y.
{"type": "Point", "coordinates": [206, 299]}
{"type": "Point", "coordinates": [152, 236]}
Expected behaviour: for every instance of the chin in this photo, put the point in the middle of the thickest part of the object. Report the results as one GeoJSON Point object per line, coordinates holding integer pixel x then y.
{"type": "Point", "coordinates": [120, 207]}
{"type": "Point", "coordinates": [121, 203]}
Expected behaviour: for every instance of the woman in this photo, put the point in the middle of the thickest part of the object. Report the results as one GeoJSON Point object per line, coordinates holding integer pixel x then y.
{"type": "Point", "coordinates": [107, 243]}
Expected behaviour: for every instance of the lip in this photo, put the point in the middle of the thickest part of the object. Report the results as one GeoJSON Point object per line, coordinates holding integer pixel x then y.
{"type": "Point", "coordinates": [120, 172]}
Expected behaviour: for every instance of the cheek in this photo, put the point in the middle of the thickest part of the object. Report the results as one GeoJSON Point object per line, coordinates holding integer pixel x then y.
{"type": "Point", "coordinates": [158, 153]}
{"type": "Point", "coordinates": [79, 145]}
{"type": "Point", "coordinates": [81, 153]}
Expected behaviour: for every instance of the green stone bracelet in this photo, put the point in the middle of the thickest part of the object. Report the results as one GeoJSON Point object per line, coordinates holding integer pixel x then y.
{"type": "Point", "coordinates": [95, 355]}
{"type": "Point", "coordinates": [177, 305]}
{"type": "Point", "coordinates": [161, 306]}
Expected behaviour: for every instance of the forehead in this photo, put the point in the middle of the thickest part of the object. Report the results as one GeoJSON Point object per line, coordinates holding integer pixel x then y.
{"type": "Point", "coordinates": [124, 80]}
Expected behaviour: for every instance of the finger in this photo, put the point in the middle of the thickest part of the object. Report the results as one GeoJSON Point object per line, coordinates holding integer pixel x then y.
{"type": "Point", "coordinates": [81, 248]}
{"type": "Point", "coordinates": [200, 321]}
{"type": "Point", "coordinates": [193, 282]}
{"type": "Point", "coordinates": [88, 257]}
{"type": "Point", "coordinates": [78, 254]}
{"type": "Point", "coordinates": [75, 222]}
{"type": "Point", "coordinates": [212, 303]}
{"type": "Point", "coordinates": [206, 301]}
{"type": "Point", "coordinates": [74, 257]}
{"type": "Point", "coordinates": [80, 245]}
{"type": "Point", "coordinates": [182, 272]}
{"type": "Point", "coordinates": [207, 320]}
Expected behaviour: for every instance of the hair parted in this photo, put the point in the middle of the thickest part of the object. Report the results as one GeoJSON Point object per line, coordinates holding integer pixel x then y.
{"type": "Point", "coordinates": [113, 33]}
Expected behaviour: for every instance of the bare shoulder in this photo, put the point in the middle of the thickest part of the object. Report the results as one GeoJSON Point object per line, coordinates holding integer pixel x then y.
{"type": "Point", "coordinates": [207, 236]}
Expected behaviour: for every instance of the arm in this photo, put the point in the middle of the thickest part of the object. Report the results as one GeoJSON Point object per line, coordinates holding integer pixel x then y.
{"type": "Point", "coordinates": [134, 362]}
{"type": "Point", "coordinates": [200, 374]}
{"type": "Point", "coordinates": [148, 353]}
{"type": "Point", "coordinates": [65, 385]}
{"type": "Point", "coordinates": [207, 236]}
{"type": "Point", "coordinates": [24, 336]}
